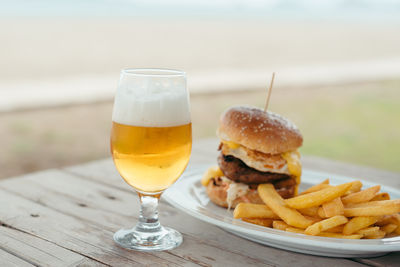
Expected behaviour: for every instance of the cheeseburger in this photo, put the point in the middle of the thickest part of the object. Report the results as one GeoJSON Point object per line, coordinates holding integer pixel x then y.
{"type": "Point", "coordinates": [256, 147]}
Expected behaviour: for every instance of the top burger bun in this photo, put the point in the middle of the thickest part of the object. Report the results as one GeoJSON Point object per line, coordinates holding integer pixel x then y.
{"type": "Point", "coordinates": [256, 129]}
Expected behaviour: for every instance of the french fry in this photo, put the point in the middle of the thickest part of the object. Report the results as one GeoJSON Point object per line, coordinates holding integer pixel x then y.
{"type": "Point", "coordinates": [362, 196]}
{"type": "Point", "coordinates": [342, 211]}
{"type": "Point", "coordinates": [391, 235]}
{"type": "Point", "coordinates": [378, 235]}
{"type": "Point", "coordinates": [373, 208]}
{"type": "Point", "coordinates": [311, 211]}
{"type": "Point", "coordinates": [321, 213]}
{"type": "Point", "coordinates": [392, 218]}
{"type": "Point", "coordinates": [381, 196]}
{"type": "Point", "coordinates": [294, 230]}
{"type": "Point", "coordinates": [389, 228]}
{"type": "Point", "coordinates": [313, 219]}
{"type": "Point", "coordinates": [258, 221]}
{"type": "Point", "coordinates": [333, 207]}
{"type": "Point", "coordinates": [373, 203]}
{"type": "Point", "coordinates": [397, 231]}
{"type": "Point", "coordinates": [318, 197]}
{"type": "Point", "coordinates": [336, 229]}
{"type": "Point", "coordinates": [276, 203]}
{"type": "Point", "coordinates": [335, 235]}
{"type": "Point", "coordinates": [317, 187]}
{"type": "Point", "coordinates": [358, 223]}
{"type": "Point", "coordinates": [355, 187]}
{"type": "Point", "coordinates": [212, 172]}
{"type": "Point", "coordinates": [324, 225]}
{"type": "Point", "coordinates": [250, 210]}
{"type": "Point", "coordinates": [369, 231]}
{"type": "Point", "coordinates": [280, 225]}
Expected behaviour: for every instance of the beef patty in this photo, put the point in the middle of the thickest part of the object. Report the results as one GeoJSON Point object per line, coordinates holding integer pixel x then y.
{"type": "Point", "coordinates": [236, 170]}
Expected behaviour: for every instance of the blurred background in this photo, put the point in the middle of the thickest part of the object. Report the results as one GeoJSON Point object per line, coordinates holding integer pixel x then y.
{"type": "Point", "coordinates": [337, 67]}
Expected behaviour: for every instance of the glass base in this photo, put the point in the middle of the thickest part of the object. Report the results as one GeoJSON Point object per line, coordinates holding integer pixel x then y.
{"type": "Point", "coordinates": [164, 239]}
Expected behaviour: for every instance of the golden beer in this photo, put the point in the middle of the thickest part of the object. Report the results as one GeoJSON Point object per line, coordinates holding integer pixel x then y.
{"type": "Point", "coordinates": [151, 159]}
{"type": "Point", "coordinates": [151, 141]}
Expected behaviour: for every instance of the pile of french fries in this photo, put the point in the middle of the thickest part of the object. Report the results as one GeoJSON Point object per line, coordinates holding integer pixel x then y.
{"type": "Point", "coordinates": [341, 211]}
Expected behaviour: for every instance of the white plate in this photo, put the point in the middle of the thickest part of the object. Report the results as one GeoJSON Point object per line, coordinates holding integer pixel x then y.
{"type": "Point", "coordinates": [189, 196]}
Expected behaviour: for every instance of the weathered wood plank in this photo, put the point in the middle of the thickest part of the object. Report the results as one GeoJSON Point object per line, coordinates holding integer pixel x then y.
{"type": "Point", "coordinates": [101, 168]}
{"type": "Point", "coordinates": [68, 232]}
{"type": "Point", "coordinates": [38, 251]}
{"type": "Point", "coordinates": [361, 172]}
{"type": "Point", "coordinates": [185, 224]}
{"type": "Point", "coordinates": [80, 214]}
{"type": "Point", "coordinates": [64, 193]}
{"type": "Point", "coordinates": [9, 260]}
{"type": "Point", "coordinates": [389, 260]}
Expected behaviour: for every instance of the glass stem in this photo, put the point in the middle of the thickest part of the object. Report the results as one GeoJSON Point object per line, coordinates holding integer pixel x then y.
{"type": "Point", "coordinates": [148, 218]}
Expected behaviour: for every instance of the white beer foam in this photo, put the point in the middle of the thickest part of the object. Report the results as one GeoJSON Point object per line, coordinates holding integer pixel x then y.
{"type": "Point", "coordinates": [151, 108]}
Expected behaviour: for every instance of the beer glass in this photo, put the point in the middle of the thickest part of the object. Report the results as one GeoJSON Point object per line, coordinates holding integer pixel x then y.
{"type": "Point", "coordinates": [151, 141]}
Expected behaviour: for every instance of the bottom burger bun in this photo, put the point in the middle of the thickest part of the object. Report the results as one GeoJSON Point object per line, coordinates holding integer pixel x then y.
{"type": "Point", "coordinates": [218, 194]}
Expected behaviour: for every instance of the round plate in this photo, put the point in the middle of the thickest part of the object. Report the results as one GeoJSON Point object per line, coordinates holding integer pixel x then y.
{"type": "Point", "coordinates": [189, 196]}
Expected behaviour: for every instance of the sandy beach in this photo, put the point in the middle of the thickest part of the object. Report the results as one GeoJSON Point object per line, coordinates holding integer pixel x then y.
{"type": "Point", "coordinates": [47, 61]}
{"type": "Point", "coordinates": [48, 48]}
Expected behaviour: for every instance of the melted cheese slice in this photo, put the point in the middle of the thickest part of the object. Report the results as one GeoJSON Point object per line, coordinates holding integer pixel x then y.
{"type": "Point", "coordinates": [294, 166]}
{"type": "Point", "coordinates": [230, 144]}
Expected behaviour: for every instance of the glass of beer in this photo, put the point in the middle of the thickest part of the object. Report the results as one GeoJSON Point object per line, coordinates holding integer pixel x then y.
{"type": "Point", "coordinates": [151, 141]}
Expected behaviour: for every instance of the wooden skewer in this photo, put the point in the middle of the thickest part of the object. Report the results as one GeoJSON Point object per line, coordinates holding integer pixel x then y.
{"type": "Point", "coordinates": [269, 91]}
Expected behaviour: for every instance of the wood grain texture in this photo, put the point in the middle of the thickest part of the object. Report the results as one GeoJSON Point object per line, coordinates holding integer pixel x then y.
{"type": "Point", "coordinates": [90, 202]}
{"type": "Point", "coordinates": [71, 233]}
{"type": "Point", "coordinates": [99, 211]}
{"type": "Point", "coordinates": [389, 260]}
{"type": "Point", "coordinates": [38, 251]}
{"type": "Point", "coordinates": [186, 224]}
{"type": "Point", "coordinates": [9, 260]}
{"type": "Point", "coordinates": [69, 216]}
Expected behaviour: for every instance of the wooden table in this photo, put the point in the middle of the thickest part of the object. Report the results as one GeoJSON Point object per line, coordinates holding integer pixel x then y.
{"type": "Point", "coordinates": [67, 216]}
